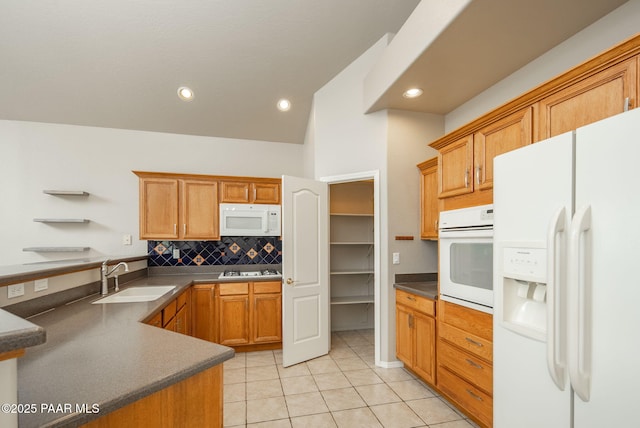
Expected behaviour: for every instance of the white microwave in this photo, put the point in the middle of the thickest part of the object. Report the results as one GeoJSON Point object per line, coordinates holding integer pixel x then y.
{"type": "Point", "coordinates": [249, 220]}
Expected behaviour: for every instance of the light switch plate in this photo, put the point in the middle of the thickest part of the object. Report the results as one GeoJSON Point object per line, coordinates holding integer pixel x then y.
{"type": "Point", "coordinates": [126, 239]}
{"type": "Point", "coordinates": [15, 290]}
{"type": "Point", "coordinates": [396, 258]}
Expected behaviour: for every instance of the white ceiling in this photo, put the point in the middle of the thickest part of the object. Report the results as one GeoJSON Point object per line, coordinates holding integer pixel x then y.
{"type": "Point", "coordinates": [119, 63]}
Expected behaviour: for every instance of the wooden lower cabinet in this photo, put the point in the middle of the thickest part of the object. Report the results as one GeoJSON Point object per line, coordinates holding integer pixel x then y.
{"type": "Point", "coordinates": [266, 321]}
{"type": "Point", "coordinates": [193, 402]}
{"type": "Point", "coordinates": [176, 315]}
{"type": "Point", "coordinates": [465, 360]}
{"type": "Point", "coordinates": [243, 315]}
{"type": "Point", "coordinates": [203, 304]}
{"type": "Point", "coordinates": [416, 334]}
{"type": "Point", "coordinates": [233, 304]}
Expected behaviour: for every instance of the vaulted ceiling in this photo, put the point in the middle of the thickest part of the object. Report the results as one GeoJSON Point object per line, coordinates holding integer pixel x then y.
{"type": "Point", "coordinates": [119, 63]}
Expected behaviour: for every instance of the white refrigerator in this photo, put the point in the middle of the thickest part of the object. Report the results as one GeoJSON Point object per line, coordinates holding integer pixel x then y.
{"type": "Point", "coordinates": [567, 279]}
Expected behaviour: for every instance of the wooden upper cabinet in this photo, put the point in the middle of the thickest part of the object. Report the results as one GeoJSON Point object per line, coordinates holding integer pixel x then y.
{"type": "Point", "coordinates": [175, 208]}
{"type": "Point", "coordinates": [248, 192]}
{"type": "Point", "coordinates": [200, 216]}
{"type": "Point", "coordinates": [158, 208]}
{"type": "Point", "coordinates": [455, 164]}
{"type": "Point", "coordinates": [429, 202]}
{"type": "Point", "coordinates": [466, 165]}
{"type": "Point", "coordinates": [597, 97]}
{"type": "Point", "coordinates": [510, 133]}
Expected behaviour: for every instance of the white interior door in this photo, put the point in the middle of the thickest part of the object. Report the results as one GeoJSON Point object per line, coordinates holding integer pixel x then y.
{"type": "Point", "coordinates": [305, 270]}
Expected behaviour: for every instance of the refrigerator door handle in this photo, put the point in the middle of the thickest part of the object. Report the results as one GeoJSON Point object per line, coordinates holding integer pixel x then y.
{"type": "Point", "coordinates": [556, 356]}
{"type": "Point", "coordinates": [579, 325]}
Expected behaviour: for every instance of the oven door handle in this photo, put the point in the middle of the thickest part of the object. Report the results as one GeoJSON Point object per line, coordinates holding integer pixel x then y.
{"type": "Point", "coordinates": [466, 233]}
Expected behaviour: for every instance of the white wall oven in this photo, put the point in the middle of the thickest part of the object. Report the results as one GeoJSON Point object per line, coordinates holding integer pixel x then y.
{"type": "Point", "coordinates": [466, 257]}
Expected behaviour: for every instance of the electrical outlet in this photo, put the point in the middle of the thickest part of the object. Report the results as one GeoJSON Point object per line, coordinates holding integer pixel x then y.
{"type": "Point", "coordinates": [15, 290]}
{"type": "Point", "coordinates": [396, 258]}
{"type": "Point", "coordinates": [126, 239]}
{"type": "Point", "coordinates": [41, 284]}
{"type": "Point", "coordinates": [176, 253]}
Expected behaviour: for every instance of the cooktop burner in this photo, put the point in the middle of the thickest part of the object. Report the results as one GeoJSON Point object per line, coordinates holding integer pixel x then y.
{"type": "Point", "coordinates": [251, 273]}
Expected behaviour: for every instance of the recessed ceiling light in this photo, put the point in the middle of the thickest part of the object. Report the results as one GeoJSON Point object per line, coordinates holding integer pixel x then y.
{"type": "Point", "coordinates": [185, 94]}
{"type": "Point", "coordinates": [283, 104]}
{"type": "Point", "coordinates": [412, 93]}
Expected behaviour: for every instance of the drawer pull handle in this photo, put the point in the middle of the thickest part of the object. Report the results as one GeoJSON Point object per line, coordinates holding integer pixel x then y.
{"type": "Point", "coordinates": [473, 364]}
{"type": "Point", "coordinates": [413, 299]}
{"type": "Point", "coordinates": [473, 342]}
{"type": "Point", "coordinates": [477, 397]}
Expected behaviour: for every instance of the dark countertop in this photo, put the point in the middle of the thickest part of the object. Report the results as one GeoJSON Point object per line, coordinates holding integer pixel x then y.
{"type": "Point", "coordinates": [30, 271]}
{"type": "Point", "coordinates": [17, 333]}
{"type": "Point", "coordinates": [103, 354]}
{"type": "Point", "coordinates": [427, 289]}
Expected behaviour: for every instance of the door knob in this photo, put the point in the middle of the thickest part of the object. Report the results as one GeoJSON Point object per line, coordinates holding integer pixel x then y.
{"type": "Point", "coordinates": [289, 281]}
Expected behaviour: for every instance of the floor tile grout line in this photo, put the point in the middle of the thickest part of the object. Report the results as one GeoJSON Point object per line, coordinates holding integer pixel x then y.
{"type": "Point", "coordinates": [361, 356]}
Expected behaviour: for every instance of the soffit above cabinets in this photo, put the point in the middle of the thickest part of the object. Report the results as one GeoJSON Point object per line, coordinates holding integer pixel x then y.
{"type": "Point", "coordinates": [477, 44]}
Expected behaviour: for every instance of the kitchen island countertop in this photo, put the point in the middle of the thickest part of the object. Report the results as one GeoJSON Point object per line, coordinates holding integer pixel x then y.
{"type": "Point", "coordinates": [102, 354]}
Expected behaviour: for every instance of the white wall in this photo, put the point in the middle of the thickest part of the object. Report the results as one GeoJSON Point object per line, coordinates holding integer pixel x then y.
{"type": "Point", "coordinates": [610, 30]}
{"type": "Point", "coordinates": [346, 141]}
{"type": "Point", "coordinates": [39, 156]}
{"type": "Point", "coordinates": [409, 134]}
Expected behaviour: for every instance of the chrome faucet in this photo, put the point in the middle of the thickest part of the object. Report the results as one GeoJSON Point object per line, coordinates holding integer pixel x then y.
{"type": "Point", "coordinates": [105, 272]}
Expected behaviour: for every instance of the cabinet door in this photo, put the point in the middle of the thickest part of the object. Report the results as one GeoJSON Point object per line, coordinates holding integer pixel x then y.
{"type": "Point", "coordinates": [429, 200]}
{"type": "Point", "coordinates": [203, 319]}
{"type": "Point", "coordinates": [507, 134]}
{"type": "Point", "coordinates": [234, 192]}
{"type": "Point", "coordinates": [182, 325]}
{"type": "Point", "coordinates": [199, 204]}
{"type": "Point", "coordinates": [594, 98]}
{"type": "Point", "coordinates": [267, 318]}
{"type": "Point", "coordinates": [234, 320]}
{"type": "Point", "coordinates": [266, 193]}
{"type": "Point", "coordinates": [158, 208]}
{"type": "Point", "coordinates": [425, 346]}
{"type": "Point", "coordinates": [404, 335]}
{"type": "Point", "coordinates": [455, 162]}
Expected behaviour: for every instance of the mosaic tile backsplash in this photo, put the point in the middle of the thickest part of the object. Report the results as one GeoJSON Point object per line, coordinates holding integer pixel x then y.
{"type": "Point", "coordinates": [228, 251]}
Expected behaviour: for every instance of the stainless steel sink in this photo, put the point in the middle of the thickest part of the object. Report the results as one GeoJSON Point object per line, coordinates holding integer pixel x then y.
{"type": "Point", "coordinates": [138, 294]}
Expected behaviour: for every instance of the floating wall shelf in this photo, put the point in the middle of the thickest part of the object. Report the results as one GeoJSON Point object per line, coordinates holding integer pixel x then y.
{"type": "Point", "coordinates": [57, 249]}
{"type": "Point", "coordinates": [61, 220]}
{"type": "Point", "coordinates": [66, 192]}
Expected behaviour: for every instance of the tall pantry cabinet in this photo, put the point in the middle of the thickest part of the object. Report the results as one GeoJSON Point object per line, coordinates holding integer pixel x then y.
{"type": "Point", "coordinates": [351, 266]}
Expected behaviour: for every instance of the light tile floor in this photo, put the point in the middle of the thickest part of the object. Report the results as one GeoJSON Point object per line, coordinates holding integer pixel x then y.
{"type": "Point", "coordinates": [342, 389]}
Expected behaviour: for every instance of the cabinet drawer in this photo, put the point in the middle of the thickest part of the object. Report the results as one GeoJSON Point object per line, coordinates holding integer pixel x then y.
{"type": "Point", "coordinates": [419, 303]}
{"type": "Point", "coordinates": [468, 397]}
{"type": "Point", "coordinates": [266, 287]}
{"type": "Point", "coordinates": [475, 322]}
{"type": "Point", "coordinates": [169, 312]}
{"type": "Point", "coordinates": [181, 300]}
{"type": "Point", "coordinates": [467, 366]}
{"type": "Point", "coordinates": [232, 288]}
{"type": "Point", "coordinates": [467, 341]}
{"type": "Point", "coordinates": [156, 321]}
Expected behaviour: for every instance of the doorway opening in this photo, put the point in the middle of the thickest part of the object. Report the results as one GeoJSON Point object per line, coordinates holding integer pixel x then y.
{"type": "Point", "coordinates": [354, 254]}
